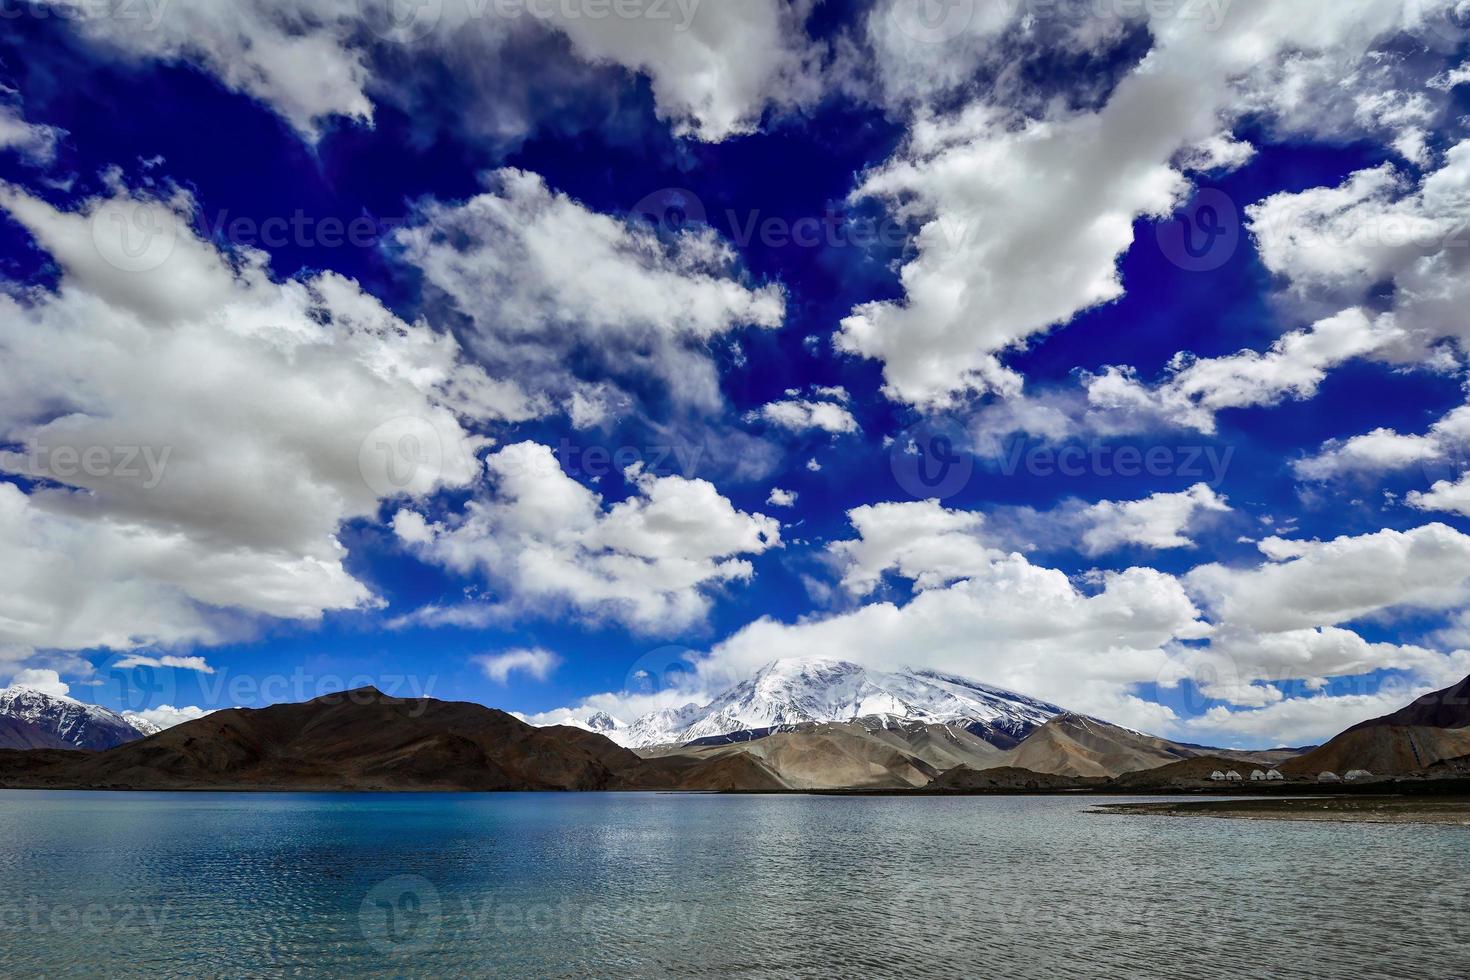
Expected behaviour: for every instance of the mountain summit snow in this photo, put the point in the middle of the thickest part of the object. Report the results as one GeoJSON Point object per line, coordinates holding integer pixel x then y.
{"type": "Point", "coordinates": [821, 690]}
{"type": "Point", "coordinates": [80, 725]}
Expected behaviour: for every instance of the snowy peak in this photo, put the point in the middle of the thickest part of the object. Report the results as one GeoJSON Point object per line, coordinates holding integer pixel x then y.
{"type": "Point", "coordinates": [821, 690]}
{"type": "Point", "coordinates": [79, 725]}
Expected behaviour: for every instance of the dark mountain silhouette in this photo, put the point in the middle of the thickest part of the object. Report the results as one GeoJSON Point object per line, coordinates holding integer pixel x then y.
{"type": "Point", "coordinates": [1449, 708]}
{"type": "Point", "coordinates": [362, 740]}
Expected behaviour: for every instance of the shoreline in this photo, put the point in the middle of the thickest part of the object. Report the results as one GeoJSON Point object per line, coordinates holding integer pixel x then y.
{"type": "Point", "coordinates": [1378, 810]}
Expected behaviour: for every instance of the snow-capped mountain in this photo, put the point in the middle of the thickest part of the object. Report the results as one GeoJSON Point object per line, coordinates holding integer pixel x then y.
{"type": "Point", "coordinates": [79, 725]}
{"type": "Point", "coordinates": [143, 725]}
{"type": "Point", "coordinates": [817, 690]}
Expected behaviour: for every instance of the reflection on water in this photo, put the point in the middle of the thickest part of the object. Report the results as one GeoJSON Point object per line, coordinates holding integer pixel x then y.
{"type": "Point", "coordinates": [663, 885]}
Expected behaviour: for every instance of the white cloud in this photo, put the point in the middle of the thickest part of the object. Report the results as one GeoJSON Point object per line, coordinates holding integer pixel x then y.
{"type": "Point", "coordinates": [45, 681]}
{"type": "Point", "coordinates": [36, 143]}
{"type": "Point", "coordinates": [1307, 584]}
{"type": "Point", "coordinates": [534, 662]}
{"type": "Point", "coordinates": [922, 541]}
{"type": "Point", "coordinates": [782, 498]}
{"type": "Point", "coordinates": [798, 415]}
{"type": "Point", "coordinates": [545, 540]}
{"type": "Point", "coordinates": [168, 660]}
{"type": "Point", "coordinates": [1448, 496]}
{"type": "Point", "coordinates": [166, 513]}
{"type": "Point", "coordinates": [1379, 451]}
{"type": "Point", "coordinates": [1195, 389]}
{"type": "Point", "coordinates": [713, 67]}
{"type": "Point", "coordinates": [1159, 521]}
{"type": "Point", "coordinates": [167, 716]}
{"type": "Point", "coordinates": [1340, 244]}
{"type": "Point", "coordinates": [1315, 719]}
{"type": "Point", "coordinates": [1022, 221]}
{"type": "Point", "coordinates": [544, 281]}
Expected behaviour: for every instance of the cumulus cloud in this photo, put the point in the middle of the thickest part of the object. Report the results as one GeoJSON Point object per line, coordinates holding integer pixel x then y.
{"type": "Point", "coordinates": [922, 541]}
{"type": "Point", "coordinates": [1195, 388]}
{"type": "Point", "coordinates": [1387, 450]}
{"type": "Point", "coordinates": [533, 662]}
{"type": "Point", "coordinates": [932, 546]}
{"type": "Point", "coordinates": [782, 498]}
{"type": "Point", "coordinates": [1320, 583]}
{"type": "Point", "coordinates": [45, 681]}
{"type": "Point", "coordinates": [544, 281]}
{"type": "Point", "coordinates": [35, 143]}
{"type": "Point", "coordinates": [1450, 496]}
{"type": "Point", "coordinates": [713, 67]}
{"type": "Point", "coordinates": [1021, 221]}
{"type": "Point", "coordinates": [800, 415]}
{"type": "Point", "coordinates": [1159, 521]}
{"type": "Point", "coordinates": [161, 513]}
{"type": "Point", "coordinates": [1342, 244]}
{"type": "Point", "coordinates": [1307, 720]}
{"type": "Point", "coordinates": [544, 540]}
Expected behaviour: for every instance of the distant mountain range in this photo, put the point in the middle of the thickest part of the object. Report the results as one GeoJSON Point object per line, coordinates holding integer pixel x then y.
{"type": "Point", "coordinates": [27, 715]}
{"type": "Point", "coordinates": [817, 690]}
{"type": "Point", "coordinates": [896, 731]}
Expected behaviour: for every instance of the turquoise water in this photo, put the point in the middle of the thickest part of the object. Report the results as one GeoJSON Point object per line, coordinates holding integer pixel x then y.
{"type": "Point", "coordinates": [708, 886]}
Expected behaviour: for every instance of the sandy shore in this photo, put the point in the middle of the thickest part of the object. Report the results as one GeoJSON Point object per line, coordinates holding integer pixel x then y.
{"type": "Point", "coordinates": [1335, 809]}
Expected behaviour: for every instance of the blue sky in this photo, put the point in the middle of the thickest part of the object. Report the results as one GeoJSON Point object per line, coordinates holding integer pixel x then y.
{"type": "Point", "coordinates": [472, 347]}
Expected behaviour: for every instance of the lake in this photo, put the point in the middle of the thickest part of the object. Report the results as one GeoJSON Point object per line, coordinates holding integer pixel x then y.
{"type": "Point", "coordinates": [155, 884]}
